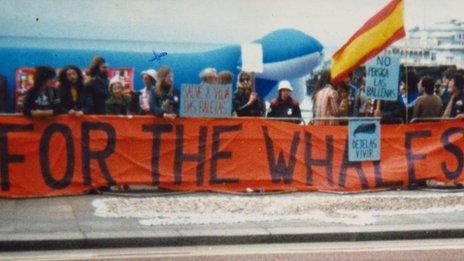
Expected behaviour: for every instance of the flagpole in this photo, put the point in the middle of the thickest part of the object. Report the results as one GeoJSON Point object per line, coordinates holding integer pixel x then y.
{"type": "Point", "coordinates": [407, 91]}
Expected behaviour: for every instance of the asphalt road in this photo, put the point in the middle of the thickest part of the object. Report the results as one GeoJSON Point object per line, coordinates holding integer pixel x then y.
{"type": "Point", "coordinates": [446, 249]}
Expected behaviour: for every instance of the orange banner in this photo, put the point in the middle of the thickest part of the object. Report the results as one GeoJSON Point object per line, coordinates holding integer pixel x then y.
{"type": "Point", "coordinates": [68, 155]}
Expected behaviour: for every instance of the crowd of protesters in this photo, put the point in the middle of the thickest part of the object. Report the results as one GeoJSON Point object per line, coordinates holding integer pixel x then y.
{"type": "Point", "coordinates": [420, 98]}
{"type": "Point", "coordinates": [77, 94]}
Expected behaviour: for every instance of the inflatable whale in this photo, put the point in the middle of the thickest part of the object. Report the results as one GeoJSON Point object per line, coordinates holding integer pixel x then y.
{"type": "Point", "coordinates": [287, 54]}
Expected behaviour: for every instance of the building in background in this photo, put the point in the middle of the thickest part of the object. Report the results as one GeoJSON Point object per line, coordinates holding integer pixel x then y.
{"type": "Point", "coordinates": [441, 44]}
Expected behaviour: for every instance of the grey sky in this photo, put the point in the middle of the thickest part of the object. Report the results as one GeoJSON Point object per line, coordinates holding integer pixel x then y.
{"type": "Point", "coordinates": [226, 21]}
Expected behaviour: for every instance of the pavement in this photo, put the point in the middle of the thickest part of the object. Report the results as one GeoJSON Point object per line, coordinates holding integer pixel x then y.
{"type": "Point", "coordinates": [177, 219]}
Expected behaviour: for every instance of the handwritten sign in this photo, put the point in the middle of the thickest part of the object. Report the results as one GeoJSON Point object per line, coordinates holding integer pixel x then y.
{"type": "Point", "coordinates": [364, 140]}
{"type": "Point", "coordinates": [382, 77]}
{"type": "Point", "coordinates": [206, 100]}
{"type": "Point", "coordinates": [252, 57]}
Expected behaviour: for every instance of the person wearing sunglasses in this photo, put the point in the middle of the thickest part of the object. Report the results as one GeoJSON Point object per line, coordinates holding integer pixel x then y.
{"type": "Point", "coordinates": [245, 100]}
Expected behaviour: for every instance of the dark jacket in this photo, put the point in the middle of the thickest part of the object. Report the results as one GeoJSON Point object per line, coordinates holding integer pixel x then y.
{"type": "Point", "coordinates": [3, 94]}
{"type": "Point", "coordinates": [240, 104]}
{"type": "Point", "coordinates": [393, 112]}
{"type": "Point", "coordinates": [457, 106]}
{"type": "Point", "coordinates": [285, 109]}
{"type": "Point", "coordinates": [135, 103]}
{"type": "Point", "coordinates": [98, 86]}
{"type": "Point", "coordinates": [50, 100]}
{"type": "Point", "coordinates": [167, 102]}
{"type": "Point", "coordinates": [114, 107]}
{"type": "Point", "coordinates": [83, 103]}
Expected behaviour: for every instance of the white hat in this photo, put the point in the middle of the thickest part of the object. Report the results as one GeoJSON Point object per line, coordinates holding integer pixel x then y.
{"type": "Point", "coordinates": [116, 79]}
{"type": "Point", "coordinates": [151, 73]}
{"type": "Point", "coordinates": [285, 85]}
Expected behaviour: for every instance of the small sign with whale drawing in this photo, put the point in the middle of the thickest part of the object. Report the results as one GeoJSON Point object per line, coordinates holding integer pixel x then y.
{"type": "Point", "coordinates": [364, 140]}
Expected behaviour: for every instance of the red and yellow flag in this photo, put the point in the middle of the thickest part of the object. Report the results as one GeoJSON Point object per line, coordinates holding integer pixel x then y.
{"type": "Point", "coordinates": [383, 29]}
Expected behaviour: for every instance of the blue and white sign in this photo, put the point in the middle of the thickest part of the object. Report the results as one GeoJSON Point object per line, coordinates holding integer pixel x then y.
{"type": "Point", "coordinates": [383, 77]}
{"type": "Point", "coordinates": [206, 100]}
{"type": "Point", "coordinates": [363, 140]}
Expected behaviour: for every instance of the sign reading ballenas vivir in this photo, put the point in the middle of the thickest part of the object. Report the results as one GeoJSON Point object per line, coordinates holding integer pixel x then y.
{"type": "Point", "coordinates": [364, 140]}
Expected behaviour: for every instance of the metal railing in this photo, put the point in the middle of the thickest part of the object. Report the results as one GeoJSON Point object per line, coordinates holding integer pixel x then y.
{"type": "Point", "coordinates": [341, 119]}
{"type": "Point", "coordinates": [416, 120]}
{"type": "Point", "coordinates": [287, 119]}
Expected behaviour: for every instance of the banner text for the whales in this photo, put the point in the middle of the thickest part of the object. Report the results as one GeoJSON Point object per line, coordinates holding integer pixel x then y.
{"type": "Point", "coordinates": [67, 155]}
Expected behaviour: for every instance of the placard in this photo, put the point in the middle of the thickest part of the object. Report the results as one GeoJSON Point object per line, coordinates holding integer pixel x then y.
{"type": "Point", "coordinates": [364, 140]}
{"type": "Point", "coordinates": [206, 100]}
{"type": "Point", "coordinates": [252, 57]}
{"type": "Point", "coordinates": [383, 77]}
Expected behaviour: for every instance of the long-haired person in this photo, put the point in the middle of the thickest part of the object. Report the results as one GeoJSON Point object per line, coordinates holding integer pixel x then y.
{"type": "Point", "coordinates": [325, 100]}
{"type": "Point", "coordinates": [140, 104]}
{"type": "Point", "coordinates": [245, 101]}
{"type": "Point", "coordinates": [165, 98]}
{"type": "Point", "coordinates": [455, 105]}
{"type": "Point", "coordinates": [42, 100]}
{"type": "Point", "coordinates": [97, 83]}
{"type": "Point", "coordinates": [75, 98]}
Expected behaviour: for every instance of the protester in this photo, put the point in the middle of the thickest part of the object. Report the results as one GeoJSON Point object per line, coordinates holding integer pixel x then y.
{"type": "Point", "coordinates": [3, 94]}
{"type": "Point", "coordinates": [428, 105]}
{"type": "Point", "coordinates": [361, 101]}
{"type": "Point", "coordinates": [245, 100]}
{"type": "Point", "coordinates": [140, 102]}
{"type": "Point", "coordinates": [456, 103]}
{"type": "Point", "coordinates": [97, 83]}
{"type": "Point", "coordinates": [445, 93]}
{"type": "Point", "coordinates": [164, 98]}
{"type": "Point", "coordinates": [209, 76]}
{"type": "Point", "coordinates": [42, 100]}
{"type": "Point", "coordinates": [390, 112]}
{"type": "Point", "coordinates": [351, 94]}
{"type": "Point", "coordinates": [344, 103]}
{"type": "Point", "coordinates": [412, 93]}
{"type": "Point", "coordinates": [325, 100]}
{"type": "Point", "coordinates": [75, 98]}
{"type": "Point", "coordinates": [119, 101]}
{"type": "Point", "coordinates": [394, 112]}
{"type": "Point", "coordinates": [225, 77]}
{"type": "Point", "coordinates": [285, 106]}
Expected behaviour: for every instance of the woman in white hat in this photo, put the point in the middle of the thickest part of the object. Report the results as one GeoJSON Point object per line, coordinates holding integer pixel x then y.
{"type": "Point", "coordinates": [285, 106]}
{"type": "Point", "coordinates": [119, 102]}
{"type": "Point", "coordinates": [140, 104]}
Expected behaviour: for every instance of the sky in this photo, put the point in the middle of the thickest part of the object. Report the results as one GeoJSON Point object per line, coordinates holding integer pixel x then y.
{"type": "Point", "coordinates": [332, 22]}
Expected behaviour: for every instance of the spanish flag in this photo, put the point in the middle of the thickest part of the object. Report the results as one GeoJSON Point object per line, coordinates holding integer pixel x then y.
{"type": "Point", "coordinates": [378, 33]}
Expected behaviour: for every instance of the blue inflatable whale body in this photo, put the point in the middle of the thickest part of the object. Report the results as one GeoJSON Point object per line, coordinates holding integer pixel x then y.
{"type": "Point", "coordinates": [287, 54]}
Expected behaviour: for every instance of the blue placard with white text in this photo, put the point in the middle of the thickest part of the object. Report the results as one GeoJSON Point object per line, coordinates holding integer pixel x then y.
{"type": "Point", "coordinates": [364, 140]}
{"type": "Point", "coordinates": [206, 100]}
{"type": "Point", "coordinates": [382, 74]}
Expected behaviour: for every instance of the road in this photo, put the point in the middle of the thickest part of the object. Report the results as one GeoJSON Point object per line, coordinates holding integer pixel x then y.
{"type": "Point", "coordinates": [446, 249]}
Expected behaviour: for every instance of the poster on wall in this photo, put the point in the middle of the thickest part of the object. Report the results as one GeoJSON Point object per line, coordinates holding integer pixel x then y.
{"type": "Point", "coordinates": [24, 80]}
